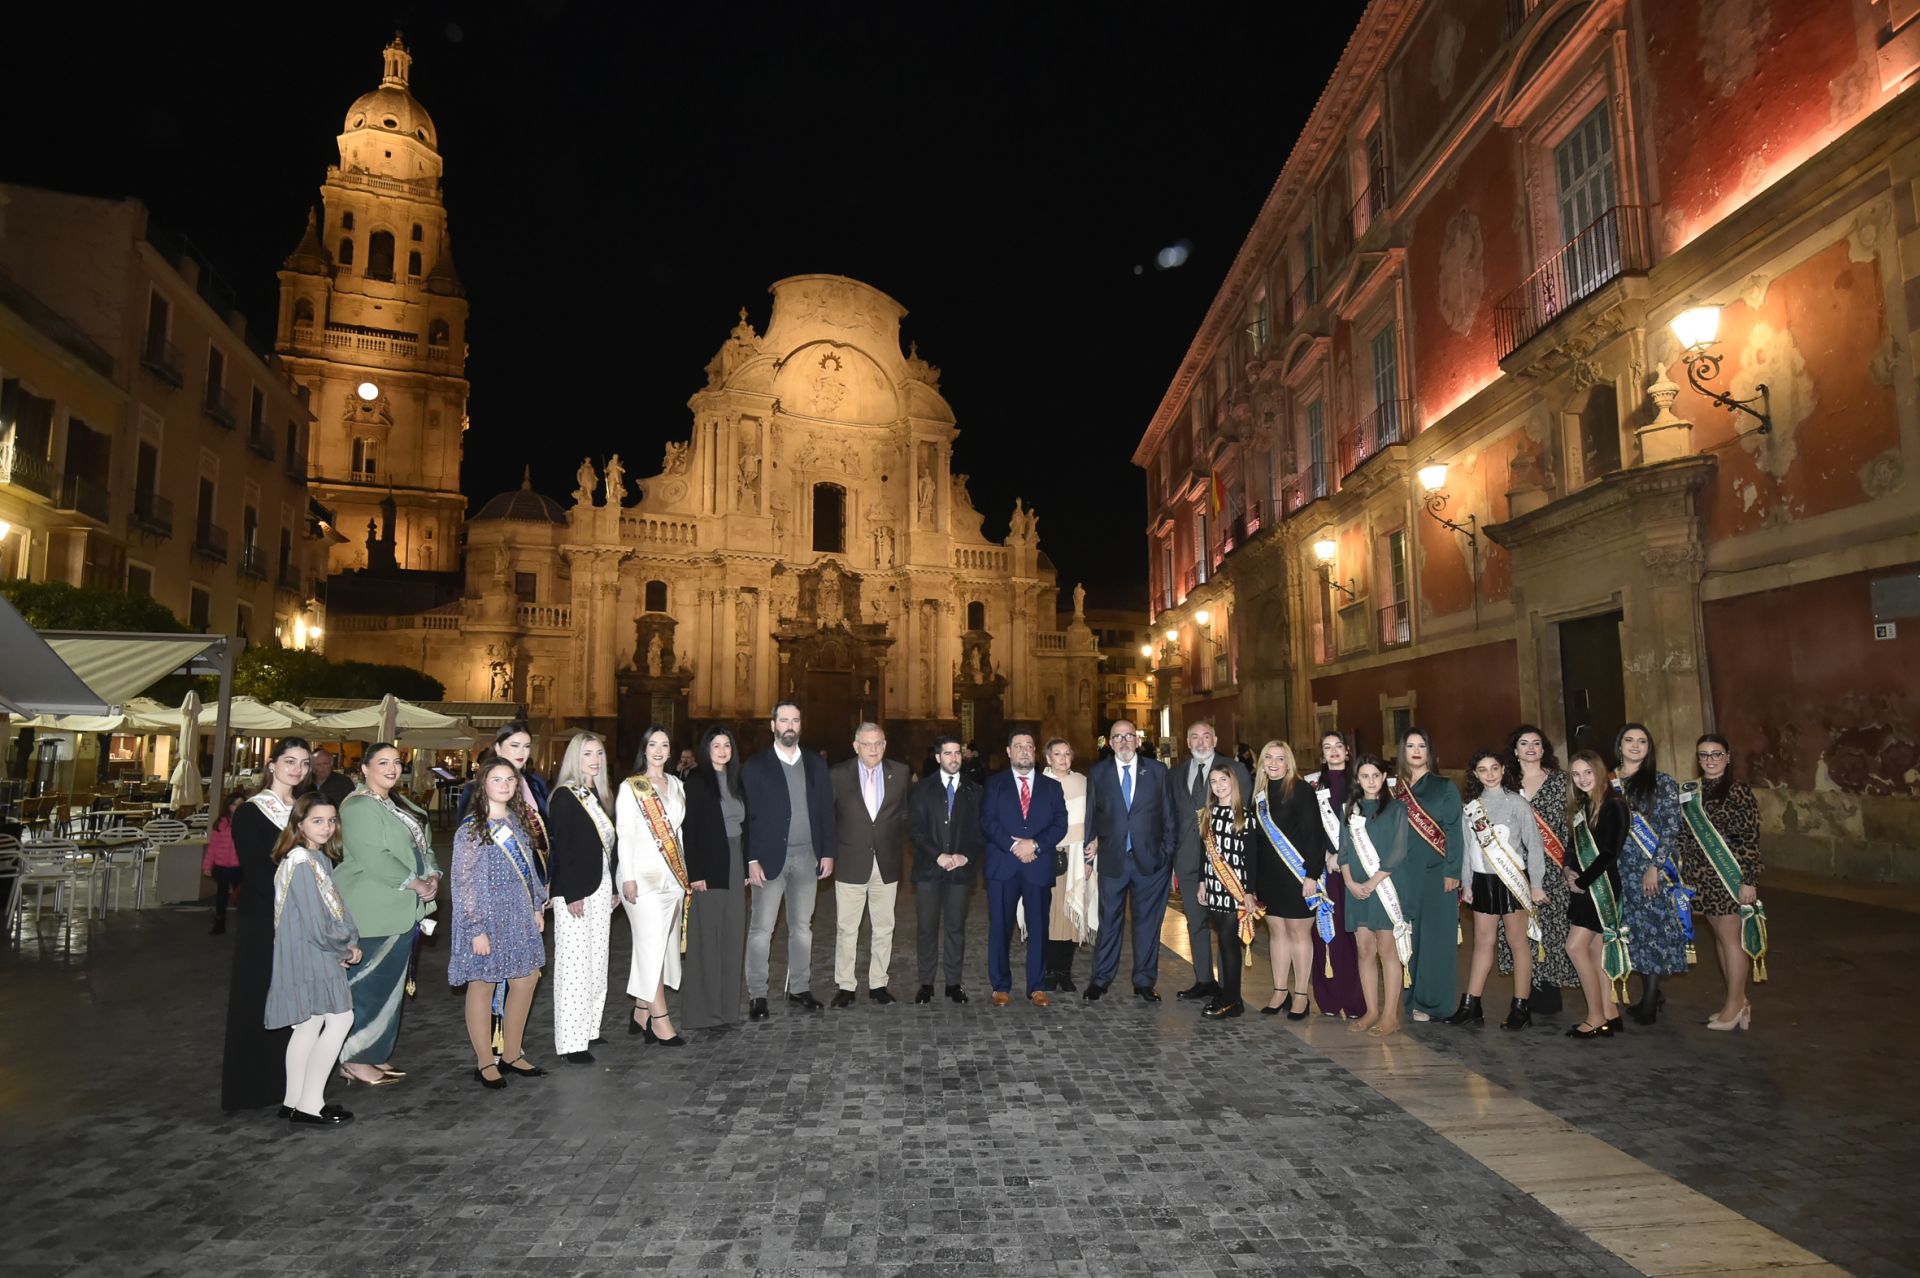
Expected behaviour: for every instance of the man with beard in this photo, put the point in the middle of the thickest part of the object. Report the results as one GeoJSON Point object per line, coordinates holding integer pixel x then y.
{"type": "Point", "coordinates": [790, 842]}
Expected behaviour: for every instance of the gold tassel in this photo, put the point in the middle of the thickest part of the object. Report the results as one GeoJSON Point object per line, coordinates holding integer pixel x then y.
{"type": "Point", "coordinates": [412, 989]}
{"type": "Point", "coordinates": [1760, 971]}
{"type": "Point", "coordinates": [1406, 977]}
{"type": "Point", "coordinates": [1459, 933]}
{"type": "Point", "coordinates": [1693, 955]}
{"type": "Point", "coordinates": [499, 1038]}
{"type": "Point", "coordinates": [1328, 951]}
{"type": "Point", "coordinates": [1540, 951]}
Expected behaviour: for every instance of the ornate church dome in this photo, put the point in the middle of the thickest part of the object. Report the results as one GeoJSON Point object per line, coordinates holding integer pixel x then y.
{"type": "Point", "coordinates": [392, 108]}
{"type": "Point", "coordinates": [522, 505]}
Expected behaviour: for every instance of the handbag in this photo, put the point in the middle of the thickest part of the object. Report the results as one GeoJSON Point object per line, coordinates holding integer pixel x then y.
{"type": "Point", "coordinates": [1059, 862]}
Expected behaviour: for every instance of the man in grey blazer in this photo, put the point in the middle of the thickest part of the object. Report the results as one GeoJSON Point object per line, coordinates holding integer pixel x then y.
{"type": "Point", "coordinates": [870, 818]}
{"type": "Point", "coordinates": [1190, 797]}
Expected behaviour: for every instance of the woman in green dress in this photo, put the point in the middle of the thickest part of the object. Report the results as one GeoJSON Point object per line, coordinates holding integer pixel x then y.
{"type": "Point", "coordinates": [1381, 877]}
{"type": "Point", "coordinates": [1438, 851]}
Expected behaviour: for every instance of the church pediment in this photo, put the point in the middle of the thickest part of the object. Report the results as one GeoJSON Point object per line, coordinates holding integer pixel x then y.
{"type": "Point", "coordinates": [838, 382]}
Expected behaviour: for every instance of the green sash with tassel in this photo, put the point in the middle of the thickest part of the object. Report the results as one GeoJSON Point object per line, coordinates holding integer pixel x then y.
{"type": "Point", "coordinates": [1614, 958]}
{"type": "Point", "coordinates": [1753, 918]}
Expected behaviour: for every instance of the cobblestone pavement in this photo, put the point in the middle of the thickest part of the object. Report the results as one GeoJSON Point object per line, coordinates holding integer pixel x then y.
{"type": "Point", "coordinates": [1082, 1139]}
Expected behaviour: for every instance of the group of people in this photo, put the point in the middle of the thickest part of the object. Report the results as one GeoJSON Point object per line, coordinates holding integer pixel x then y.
{"type": "Point", "coordinates": [1355, 871]}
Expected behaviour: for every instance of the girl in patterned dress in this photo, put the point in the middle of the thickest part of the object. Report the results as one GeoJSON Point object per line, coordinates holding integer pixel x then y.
{"type": "Point", "coordinates": [1532, 765]}
{"type": "Point", "coordinates": [498, 915]}
{"type": "Point", "coordinates": [314, 942]}
{"type": "Point", "coordinates": [1730, 806]}
{"type": "Point", "coordinates": [1658, 944]}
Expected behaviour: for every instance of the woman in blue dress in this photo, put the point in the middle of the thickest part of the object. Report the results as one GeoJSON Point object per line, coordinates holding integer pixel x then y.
{"type": "Point", "coordinates": [498, 915]}
{"type": "Point", "coordinates": [1647, 905]}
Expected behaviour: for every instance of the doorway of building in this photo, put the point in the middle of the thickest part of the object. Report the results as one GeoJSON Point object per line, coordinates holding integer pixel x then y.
{"type": "Point", "coordinates": [1592, 686]}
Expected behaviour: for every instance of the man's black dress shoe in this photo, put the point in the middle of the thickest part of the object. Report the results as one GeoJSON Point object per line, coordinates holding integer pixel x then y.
{"type": "Point", "coordinates": [579, 1058]}
{"type": "Point", "coordinates": [1094, 992]}
{"type": "Point", "coordinates": [882, 996]}
{"type": "Point", "coordinates": [1149, 993]}
{"type": "Point", "coordinates": [322, 1119]}
{"type": "Point", "coordinates": [843, 999]}
{"type": "Point", "coordinates": [806, 999]}
{"type": "Point", "coordinates": [957, 994]}
{"type": "Point", "coordinates": [1199, 989]}
{"type": "Point", "coordinates": [924, 995]}
{"type": "Point", "coordinates": [1221, 1009]}
{"type": "Point", "coordinates": [757, 1010]}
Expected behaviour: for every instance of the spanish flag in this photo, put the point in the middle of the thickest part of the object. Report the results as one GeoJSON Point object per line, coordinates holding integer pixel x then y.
{"type": "Point", "coordinates": [1217, 496]}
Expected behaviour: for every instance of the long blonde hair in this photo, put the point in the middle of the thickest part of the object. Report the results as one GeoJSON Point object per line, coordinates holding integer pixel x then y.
{"type": "Point", "coordinates": [1293, 768]}
{"type": "Point", "coordinates": [570, 774]}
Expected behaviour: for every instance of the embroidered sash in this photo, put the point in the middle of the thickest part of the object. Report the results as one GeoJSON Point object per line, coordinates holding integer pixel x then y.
{"type": "Point", "coordinates": [1507, 866]}
{"type": "Point", "coordinates": [1753, 918]}
{"type": "Point", "coordinates": [1423, 823]}
{"type": "Point", "coordinates": [1556, 850]}
{"type": "Point", "coordinates": [1615, 959]}
{"type": "Point", "coordinates": [654, 809]}
{"type": "Point", "coordinates": [602, 823]}
{"type": "Point", "coordinates": [274, 808]}
{"type": "Point", "coordinates": [1369, 858]}
{"type": "Point", "coordinates": [1676, 892]}
{"type": "Point", "coordinates": [1247, 908]}
{"type": "Point", "coordinates": [283, 882]}
{"type": "Point", "coordinates": [1324, 797]}
{"type": "Point", "coordinates": [1322, 904]}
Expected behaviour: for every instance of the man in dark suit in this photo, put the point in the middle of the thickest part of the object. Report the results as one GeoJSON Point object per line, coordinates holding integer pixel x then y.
{"type": "Point", "coordinates": [790, 844]}
{"type": "Point", "coordinates": [1023, 817]}
{"type": "Point", "coordinates": [870, 815]}
{"type": "Point", "coordinates": [944, 819]}
{"type": "Point", "coordinates": [1130, 816]}
{"type": "Point", "coordinates": [1189, 856]}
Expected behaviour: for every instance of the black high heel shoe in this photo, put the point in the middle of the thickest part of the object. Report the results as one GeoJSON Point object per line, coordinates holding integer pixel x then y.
{"type": "Point", "coordinates": [678, 1040]}
{"type": "Point", "coordinates": [1274, 1009]}
{"type": "Point", "coordinates": [1300, 1015]}
{"type": "Point", "coordinates": [641, 1028]}
{"type": "Point", "coordinates": [1645, 1013]}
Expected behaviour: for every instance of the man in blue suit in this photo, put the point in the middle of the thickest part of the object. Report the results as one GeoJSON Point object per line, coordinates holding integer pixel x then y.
{"type": "Point", "coordinates": [1131, 829]}
{"type": "Point", "coordinates": [1023, 818]}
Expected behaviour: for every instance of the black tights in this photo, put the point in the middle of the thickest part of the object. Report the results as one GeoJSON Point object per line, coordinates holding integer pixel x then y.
{"type": "Point", "coordinates": [1649, 989]}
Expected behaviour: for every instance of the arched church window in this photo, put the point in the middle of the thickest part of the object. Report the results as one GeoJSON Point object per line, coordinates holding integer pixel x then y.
{"type": "Point", "coordinates": [380, 255]}
{"type": "Point", "coordinates": [345, 255]}
{"type": "Point", "coordinates": [976, 616]}
{"type": "Point", "coordinates": [303, 311]}
{"type": "Point", "coordinates": [656, 596]}
{"type": "Point", "coordinates": [438, 333]}
{"type": "Point", "coordinates": [346, 221]}
{"type": "Point", "coordinates": [418, 235]}
{"type": "Point", "coordinates": [830, 518]}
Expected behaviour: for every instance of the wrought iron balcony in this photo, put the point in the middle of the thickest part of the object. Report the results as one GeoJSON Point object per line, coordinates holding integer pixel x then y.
{"type": "Point", "coordinates": [1309, 484]}
{"type": "Point", "coordinates": [218, 405]}
{"type": "Point", "coordinates": [287, 580]}
{"type": "Point", "coordinates": [1304, 295]}
{"type": "Point", "coordinates": [260, 441]}
{"type": "Point", "coordinates": [253, 562]}
{"type": "Point", "coordinates": [1614, 245]}
{"type": "Point", "coordinates": [162, 358]}
{"type": "Point", "coordinates": [210, 543]}
{"type": "Point", "coordinates": [1396, 625]}
{"type": "Point", "coordinates": [24, 466]}
{"type": "Point", "coordinates": [78, 493]}
{"type": "Point", "coordinates": [1388, 424]}
{"type": "Point", "coordinates": [151, 513]}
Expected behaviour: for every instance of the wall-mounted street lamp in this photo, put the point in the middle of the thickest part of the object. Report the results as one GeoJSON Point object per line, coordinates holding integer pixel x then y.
{"type": "Point", "coordinates": [1324, 550]}
{"type": "Point", "coordinates": [1173, 635]}
{"type": "Point", "coordinates": [1698, 331]}
{"type": "Point", "coordinates": [1433, 479]}
{"type": "Point", "coordinates": [1203, 616]}
{"type": "Point", "coordinates": [1146, 650]}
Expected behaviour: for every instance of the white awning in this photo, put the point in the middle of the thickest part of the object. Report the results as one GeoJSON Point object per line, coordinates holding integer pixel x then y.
{"type": "Point", "coordinates": [36, 679]}
{"type": "Point", "coordinates": [117, 666]}
{"type": "Point", "coordinates": [247, 717]}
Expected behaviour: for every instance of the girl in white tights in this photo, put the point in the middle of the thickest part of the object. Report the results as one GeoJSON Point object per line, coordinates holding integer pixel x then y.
{"type": "Point", "coordinates": [314, 942]}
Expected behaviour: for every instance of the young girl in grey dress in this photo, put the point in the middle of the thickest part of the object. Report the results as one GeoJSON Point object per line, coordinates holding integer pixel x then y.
{"type": "Point", "coordinates": [314, 942]}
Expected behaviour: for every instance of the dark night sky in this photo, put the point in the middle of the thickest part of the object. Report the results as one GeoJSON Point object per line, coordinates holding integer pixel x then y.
{"type": "Point", "coordinates": [621, 180]}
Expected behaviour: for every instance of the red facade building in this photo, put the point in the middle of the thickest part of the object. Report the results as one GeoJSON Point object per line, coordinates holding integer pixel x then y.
{"type": "Point", "coordinates": [1438, 454]}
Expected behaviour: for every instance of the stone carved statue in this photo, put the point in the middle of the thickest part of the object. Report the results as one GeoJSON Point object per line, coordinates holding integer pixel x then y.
{"type": "Point", "coordinates": [883, 545]}
{"type": "Point", "coordinates": [500, 566]}
{"type": "Point", "coordinates": [586, 480]}
{"type": "Point", "coordinates": [785, 596]}
{"type": "Point", "coordinates": [1079, 601]}
{"type": "Point", "coordinates": [746, 489]}
{"type": "Point", "coordinates": [743, 603]}
{"type": "Point", "coordinates": [828, 606]}
{"type": "Point", "coordinates": [743, 673]}
{"type": "Point", "coordinates": [655, 663]}
{"type": "Point", "coordinates": [616, 485]}
{"type": "Point", "coordinates": [678, 457]}
{"type": "Point", "coordinates": [926, 496]}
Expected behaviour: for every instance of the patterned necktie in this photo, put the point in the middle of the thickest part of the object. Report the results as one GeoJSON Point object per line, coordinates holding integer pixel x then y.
{"type": "Point", "coordinates": [1026, 798]}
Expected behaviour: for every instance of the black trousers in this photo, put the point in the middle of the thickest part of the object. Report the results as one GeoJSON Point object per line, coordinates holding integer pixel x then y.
{"type": "Point", "coordinates": [1226, 930]}
{"type": "Point", "coordinates": [942, 912]}
{"type": "Point", "coordinates": [225, 879]}
{"type": "Point", "coordinates": [1060, 958]}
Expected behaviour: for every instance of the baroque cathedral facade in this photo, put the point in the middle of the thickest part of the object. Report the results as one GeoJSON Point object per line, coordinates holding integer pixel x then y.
{"type": "Point", "coordinates": [808, 539]}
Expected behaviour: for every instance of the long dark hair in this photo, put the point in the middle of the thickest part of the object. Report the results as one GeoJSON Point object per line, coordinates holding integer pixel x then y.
{"type": "Point", "coordinates": [1356, 793]}
{"type": "Point", "coordinates": [1473, 789]}
{"type": "Point", "coordinates": [477, 801]}
{"type": "Point", "coordinates": [704, 755]}
{"type": "Point", "coordinates": [1645, 781]}
{"type": "Point", "coordinates": [640, 756]}
{"type": "Point", "coordinates": [227, 805]}
{"type": "Point", "coordinates": [1549, 761]}
{"type": "Point", "coordinates": [1716, 790]}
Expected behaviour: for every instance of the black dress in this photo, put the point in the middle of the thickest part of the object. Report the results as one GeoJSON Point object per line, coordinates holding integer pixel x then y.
{"type": "Point", "coordinates": [1298, 816]}
{"type": "Point", "coordinates": [253, 1072]}
{"type": "Point", "coordinates": [1609, 835]}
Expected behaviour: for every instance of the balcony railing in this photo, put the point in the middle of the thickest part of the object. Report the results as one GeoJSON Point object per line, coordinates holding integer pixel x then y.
{"type": "Point", "coordinates": [1258, 334]}
{"type": "Point", "coordinates": [24, 467]}
{"type": "Point", "coordinates": [260, 440]}
{"type": "Point", "coordinates": [152, 513]}
{"type": "Point", "coordinates": [162, 358]}
{"type": "Point", "coordinates": [287, 580]}
{"type": "Point", "coordinates": [546, 616]}
{"type": "Point", "coordinates": [210, 543]}
{"type": "Point", "coordinates": [1304, 295]}
{"type": "Point", "coordinates": [1307, 485]}
{"type": "Point", "coordinates": [1615, 245]}
{"type": "Point", "coordinates": [1372, 201]}
{"type": "Point", "coordinates": [219, 406]}
{"type": "Point", "coordinates": [1388, 424]}
{"type": "Point", "coordinates": [1396, 625]}
{"type": "Point", "coordinates": [78, 493]}
{"type": "Point", "coordinates": [253, 562]}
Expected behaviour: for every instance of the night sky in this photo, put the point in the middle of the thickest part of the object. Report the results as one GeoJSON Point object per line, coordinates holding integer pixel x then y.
{"type": "Point", "coordinates": [622, 179]}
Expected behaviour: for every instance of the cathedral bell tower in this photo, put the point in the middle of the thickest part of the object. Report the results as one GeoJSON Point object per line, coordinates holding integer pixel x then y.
{"type": "Point", "coordinates": [373, 322]}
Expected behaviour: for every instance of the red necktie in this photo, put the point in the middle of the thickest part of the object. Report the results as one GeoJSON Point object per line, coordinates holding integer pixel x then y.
{"type": "Point", "coordinates": [1026, 798]}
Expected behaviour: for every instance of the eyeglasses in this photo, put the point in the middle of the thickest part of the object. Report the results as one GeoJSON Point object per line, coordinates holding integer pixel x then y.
{"type": "Point", "coordinates": [1124, 736]}
{"type": "Point", "coordinates": [1713, 754]}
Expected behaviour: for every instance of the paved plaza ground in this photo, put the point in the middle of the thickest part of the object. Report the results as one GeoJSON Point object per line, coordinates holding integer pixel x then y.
{"type": "Point", "coordinates": [1113, 1138]}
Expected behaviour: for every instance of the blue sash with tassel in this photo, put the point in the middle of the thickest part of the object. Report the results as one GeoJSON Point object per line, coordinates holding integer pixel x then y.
{"type": "Point", "coordinates": [1322, 904]}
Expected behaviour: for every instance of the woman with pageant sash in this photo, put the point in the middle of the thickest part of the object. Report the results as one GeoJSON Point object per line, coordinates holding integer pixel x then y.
{"type": "Point", "coordinates": [717, 911]}
{"type": "Point", "coordinates": [499, 912]}
{"type": "Point", "coordinates": [1376, 859]}
{"type": "Point", "coordinates": [1532, 765]}
{"type": "Point", "coordinates": [253, 1067]}
{"type": "Point", "coordinates": [1597, 819]}
{"type": "Point", "coordinates": [1336, 963]}
{"type": "Point", "coordinates": [652, 872]}
{"type": "Point", "coordinates": [1227, 888]}
{"type": "Point", "coordinates": [1439, 855]}
{"type": "Point", "coordinates": [1290, 852]}
{"type": "Point", "coordinates": [514, 743]}
{"type": "Point", "coordinates": [1653, 905]}
{"type": "Point", "coordinates": [1506, 870]}
{"type": "Point", "coordinates": [580, 839]}
{"type": "Point", "coordinates": [1720, 830]}
{"type": "Point", "coordinates": [389, 880]}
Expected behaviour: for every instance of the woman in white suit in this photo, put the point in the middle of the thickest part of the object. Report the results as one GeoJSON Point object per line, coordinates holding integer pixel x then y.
{"type": "Point", "coordinates": [652, 871]}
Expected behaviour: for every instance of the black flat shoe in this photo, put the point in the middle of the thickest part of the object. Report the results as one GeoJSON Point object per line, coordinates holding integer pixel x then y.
{"type": "Point", "coordinates": [531, 1071]}
{"type": "Point", "coordinates": [494, 1084]}
{"type": "Point", "coordinates": [843, 999]}
{"type": "Point", "coordinates": [757, 1010]}
{"type": "Point", "coordinates": [301, 1118]}
{"type": "Point", "coordinates": [924, 994]}
{"type": "Point", "coordinates": [882, 996]}
{"type": "Point", "coordinates": [288, 1111]}
{"type": "Point", "coordinates": [577, 1058]}
{"type": "Point", "coordinates": [596, 1040]}
{"type": "Point", "coordinates": [1148, 993]}
{"type": "Point", "coordinates": [806, 999]}
{"type": "Point", "coordinates": [1614, 1025]}
{"type": "Point", "coordinates": [1094, 992]}
{"type": "Point", "coordinates": [1589, 1031]}
{"type": "Point", "coordinates": [957, 994]}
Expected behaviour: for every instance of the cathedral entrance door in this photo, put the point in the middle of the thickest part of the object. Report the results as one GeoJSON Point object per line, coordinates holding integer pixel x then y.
{"type": "Point", "coordinates": [828, 707]}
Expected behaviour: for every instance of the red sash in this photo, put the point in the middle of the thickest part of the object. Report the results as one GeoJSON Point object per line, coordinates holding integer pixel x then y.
{"type": "Point", "coordinates": [1423, 824]}
{"type": "Point", "coordinates": [1556, 850]}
